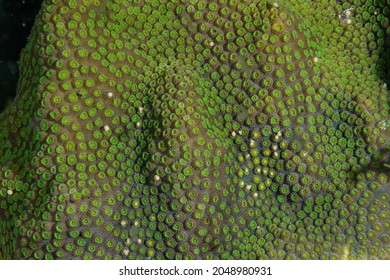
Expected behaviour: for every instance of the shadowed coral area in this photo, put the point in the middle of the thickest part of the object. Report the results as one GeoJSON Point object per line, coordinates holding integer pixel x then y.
{"type": "Point", "coordinates": [199, 130]}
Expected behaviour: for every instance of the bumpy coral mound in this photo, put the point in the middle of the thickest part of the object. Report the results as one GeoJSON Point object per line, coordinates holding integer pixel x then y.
{"type": "Point", "coordinates": [199, 130]}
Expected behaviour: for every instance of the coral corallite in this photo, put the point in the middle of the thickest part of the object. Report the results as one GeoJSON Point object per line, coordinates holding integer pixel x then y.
{"type": "Point", "coordinates": [191, 129]}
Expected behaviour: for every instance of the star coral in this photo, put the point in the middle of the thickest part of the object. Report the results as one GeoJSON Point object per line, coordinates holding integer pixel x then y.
{"type": "Point", "coordinates": [199, 130]}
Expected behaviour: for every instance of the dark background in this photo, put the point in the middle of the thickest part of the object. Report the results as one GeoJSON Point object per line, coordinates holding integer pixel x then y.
{"type": "Point", "coordinates": [16, 20]}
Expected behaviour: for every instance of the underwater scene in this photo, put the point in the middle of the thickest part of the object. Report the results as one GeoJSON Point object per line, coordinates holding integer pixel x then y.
{"type": "Point", "coordinates": [195, 129]}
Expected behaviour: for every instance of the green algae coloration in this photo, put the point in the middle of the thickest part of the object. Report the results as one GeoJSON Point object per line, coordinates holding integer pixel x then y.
{"type": "Point", "coordinates": [199, 130]}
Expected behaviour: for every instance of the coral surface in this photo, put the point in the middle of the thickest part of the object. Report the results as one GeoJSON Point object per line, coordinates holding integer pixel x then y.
{"type": "Point", "coordinates": [191, 129]}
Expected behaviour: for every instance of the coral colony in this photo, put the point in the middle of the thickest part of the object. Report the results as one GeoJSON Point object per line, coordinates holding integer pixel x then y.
{"type": "Point", "coordinates": [190, 129]}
